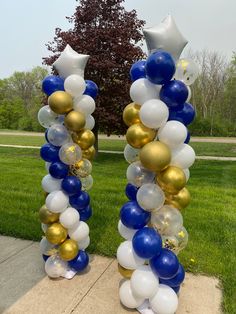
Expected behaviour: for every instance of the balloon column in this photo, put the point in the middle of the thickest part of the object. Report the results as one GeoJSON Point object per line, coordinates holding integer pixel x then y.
{"type": "Point", "coordinates": [68, 154]}
{"type": "Point", "coordinates": [159, 158]}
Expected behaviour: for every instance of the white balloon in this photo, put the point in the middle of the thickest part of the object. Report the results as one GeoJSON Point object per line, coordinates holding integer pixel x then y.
{"type": "Point", "coordinates": [186, 71]}
{"type": "Point", "coordinates": [131, 154]}
{"type": "Point", "coordinates": [57, 201]}
{"type": "Point", "coordinates": [58, 135]}
{"type": "Point", "coordinates": [83, 244]}
{"type": "Point", "coordinates": [50, 184]}
{"type": "Point", "coordinates": [55, 267]}
{"type": "Point", "coordinates": [173, 133]}
{"type": "Point", "coordinates": [138, 175]}
{"type": "Point", "coordinates": [126, 256]}
{"type": "Point", "coordinates": [79, 232]}
{"type": "Point", "coordinates": [125, 232]}
{"type": "Point", "coordinates": [75, 85]}
{"type": "Point", "coordinates": [127, 297]}
{"type": "Point", "coordinates": [84, 104]}
{"type": "Point", "coordinates": [46, 247]}
{"type": "Point", "coordinates": [187, 174]}
{"type": "Point", "coordinates": [189, 94]}
{"type": "Point", "coordinates": [165, 301]}
{"type": "Point", "coordinates": [47, 117]}
{"type": "Point", "coordinates": [69, 217]}
{"type": "Point", "coordinates": [183, 156]}
{"type": "Point", "coordinates": [87, 182]}
{"type": "Point", "coordinates": [142, 90]}
{"type": "Point", "coordinates": [154, 113]}
{"type": "Point", "coordinates": [144, 283]}
{"type": "Point", "coordinates": [150, 196]}
{"type": "Point", "coordinates": [90, 122]}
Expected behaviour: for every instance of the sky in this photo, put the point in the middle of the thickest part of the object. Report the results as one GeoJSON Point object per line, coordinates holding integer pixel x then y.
{"type": "Point", "coordinates": [27, 25]}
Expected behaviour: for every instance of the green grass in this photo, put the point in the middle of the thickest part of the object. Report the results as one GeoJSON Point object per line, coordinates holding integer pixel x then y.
{"type": "Point", "coordinates": [202, 149]}
{"type": "Point", "coordinates": [210, 219]}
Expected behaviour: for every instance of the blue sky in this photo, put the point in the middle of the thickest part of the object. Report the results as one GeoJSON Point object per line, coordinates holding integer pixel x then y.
{"type": "Point", "coordinates": [26, 25]}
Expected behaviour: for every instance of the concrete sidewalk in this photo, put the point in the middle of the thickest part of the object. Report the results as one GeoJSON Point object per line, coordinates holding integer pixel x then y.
{"type": "Point", "coordinates": [24, 288]}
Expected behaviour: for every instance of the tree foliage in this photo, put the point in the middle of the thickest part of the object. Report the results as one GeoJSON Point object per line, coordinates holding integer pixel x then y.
{"type": "Point", "coordinates": [108, 33]}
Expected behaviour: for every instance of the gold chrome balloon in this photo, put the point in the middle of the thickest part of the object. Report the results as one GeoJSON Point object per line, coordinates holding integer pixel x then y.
{"type": "Point", "coordinates": [56, 233]}
{"type": "Point", "coordinates": [89, 153]}
{"type": "Point", "coordinates": [47, 217]}
{"type": "Point", "coordinates": [84, 138]}
{"type": "Point", "coordinates": [60, 102]}
{"type": "Point", "coordinates": [172, 179]}
{"type": "Point", "coordinates": [180, 200]}
{"type": "Point", "coordinates": [75, 121]}
{"type": "Point", "coordinates": [126, 273]}
{"type": "Point", "coordinates": [68, 250]}
{"type": "Point", "coordinates": [138, 135]}
{"type": "Point", "coordinates": [131, 114]}
{"type": "Point", "coordinates": [155, 156]}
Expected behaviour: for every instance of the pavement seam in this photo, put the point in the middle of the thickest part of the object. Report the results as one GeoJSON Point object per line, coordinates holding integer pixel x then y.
{"type": "Point", "coordinates": [16, 253]}
{"type": "Point", "coordinates": [84, 296]}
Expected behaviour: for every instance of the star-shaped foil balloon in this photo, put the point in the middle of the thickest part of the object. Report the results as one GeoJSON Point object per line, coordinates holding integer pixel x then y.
{"type": "Point", "coordinates": [70, 62]}
{"type": "Point", "coordinates": [165, 36]}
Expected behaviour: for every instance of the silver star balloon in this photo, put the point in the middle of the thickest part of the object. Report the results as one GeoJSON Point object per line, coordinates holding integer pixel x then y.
{"type": "Point", "coordinates": [70, 62]}
{"type": "Point", "coordinates": [165, 36]}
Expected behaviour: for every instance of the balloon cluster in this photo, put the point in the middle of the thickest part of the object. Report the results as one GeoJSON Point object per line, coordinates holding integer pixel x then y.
{"type": "Point", "coordinates": [68, 154]}
{"type": "Point", "coordinates": [159, 156]}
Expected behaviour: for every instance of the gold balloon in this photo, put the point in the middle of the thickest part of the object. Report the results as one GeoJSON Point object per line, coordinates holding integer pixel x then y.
{"type": "Point", "coordinates": [131, 114]}
{"type": "Point", "coordinates": [155, 156]}
{"type": "Point", "coordinates": [47, 217]}
{"type": "Point", "coordinates": [84, 138]}
{"type": "Point", "coordinates": [56, 233]}
{"type": "Point", "coordinates": [89, 153]}
{"type": "Point", "coordinates": [68, 250]}
{"type": "Point", "coordinates": [60, 102]}
{"type": "Point", "coordinates": [138, 135]}
{"type": "Point", "coordinates": [75, 121]}
{"type": "Point", "coordinates": [180, 200]}
{"type": "Point", "coordinates": [126, 273]}
{"type": "Point", "coordinates": [172, 179]}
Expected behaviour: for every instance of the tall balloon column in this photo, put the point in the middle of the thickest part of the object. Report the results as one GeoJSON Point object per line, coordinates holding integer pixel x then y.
{"type": "Point", "coordinates": [68, 153]}
{"type": "Point", "coordinates": [151, 222]}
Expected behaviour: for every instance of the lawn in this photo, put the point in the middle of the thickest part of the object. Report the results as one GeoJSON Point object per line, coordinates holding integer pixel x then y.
{"type": "Point", "coordinates": [202, 149]}
{"type": "Point", "coordinates": [210, 219]}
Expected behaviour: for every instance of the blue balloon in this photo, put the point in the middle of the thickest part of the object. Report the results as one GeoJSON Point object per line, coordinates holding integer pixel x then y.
{"type": "Point", "coordinates": [85, 213]}
{"type": "Point", "coordinates": [137, 70]}
{"type": "Point", "coordinates": [58, 170]}
{"type": "Point", "coordinates": [147, 243]}
{"type": "Point", "coordinates": [71, 185]}
{"type": "Point", "coordinates": [80, 201]}
{"type": "Point", "coordinates": [174, 94]}
{"type": "Point", "coordinates": [50, 153]}
{"type": "Point", "coordinates": [91, 89]}
{"type": "Point", "coordinates": [131, 191]}
{"type": "Point", "coordinates": [160, 67]}
{"type": "Point", "coordinates": [45, 257]}
{"type": "Point", "coordinates": [165, 265]}
{"type": "Point", "coordinates": [176, 280]}
{"type": "Point", "coordinates": [133, 216]}
{"type": "Point", "coordinates": [187, 138]}
{"type": "Point", "coordinates": [52, 83]}
{"type": "Point", "coordinates": [185, 115]}
{"type": "Point", "coordinates": [80, 262]}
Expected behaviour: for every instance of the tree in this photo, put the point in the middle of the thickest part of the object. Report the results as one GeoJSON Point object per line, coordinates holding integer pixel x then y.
{"type": "Point", "coordinates": [20, 99]}
{"type": "Point", "coordinates": [108, 33]}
